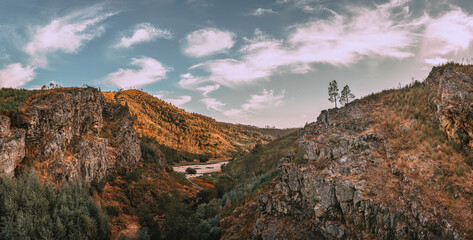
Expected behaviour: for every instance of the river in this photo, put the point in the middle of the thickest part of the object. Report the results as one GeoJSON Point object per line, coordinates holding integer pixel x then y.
{"type": "Point", "coordinates": [200, 168]}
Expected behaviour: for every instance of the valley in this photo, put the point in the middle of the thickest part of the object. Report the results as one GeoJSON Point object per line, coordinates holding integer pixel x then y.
{"type": "Point", "coordinates": [391, 165]}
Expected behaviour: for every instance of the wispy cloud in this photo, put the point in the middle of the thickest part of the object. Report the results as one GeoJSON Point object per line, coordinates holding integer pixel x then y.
{"type": "Point", "coordinates": [199, 3]}
{"type": "Point", "coordinates": [213, 103]}
{"type": "Point", "coordinates": [338, 40]}
{"type": "Point", "coordinates": [208, 41]}
{"type": "Point", "coordinates": [451, 33]}
{"type": "Point", "coordinates": [304, 5]}
{"type": "Point", "coordinates": [208, 89]}
{"type": "Point", "coordinates": [436, 61]}
{"type": "Point", "coordinates": [160, 94]}
{"type": "Point", "coordinates": [265, 99]}
{"type": "Point", "coordinates": [178, 102]}
{"type": "Point", "coordinates": [66, 34]}
{"type": "Point", "coordinates": [15, 75]}
{"type": "Point", "coordinates": [143, 32]}
{"type": "Point", "coordinates": [217, 105]}
{"type": "Point", "coordinates": [148, 71]}
{"type": "Point", "coordinates": [261, 11]}
{"type": "Point", "coordinates": [257, 102]}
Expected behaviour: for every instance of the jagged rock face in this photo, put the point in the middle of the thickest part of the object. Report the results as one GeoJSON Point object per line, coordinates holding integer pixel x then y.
{"type": "Point", "coordinates": [12, 147]}
{"type": "Point", "coordinates": [337, 209]}
{"type": "Point", "coordinates": [125, 140]}
{"type": "Point", "coordinates": [335, 191]}
{"type": "Point", "coordinates": [454, 103]}
{"type": "Point", "coordinates": [63, 136]}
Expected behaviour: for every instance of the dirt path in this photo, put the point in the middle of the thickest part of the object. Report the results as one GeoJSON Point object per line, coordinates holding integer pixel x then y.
{"type": "Point", "coordinates": [201, 169]}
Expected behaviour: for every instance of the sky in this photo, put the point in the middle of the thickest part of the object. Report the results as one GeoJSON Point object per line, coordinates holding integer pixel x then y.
{"type": "Point", "coordinates": [258, 62]}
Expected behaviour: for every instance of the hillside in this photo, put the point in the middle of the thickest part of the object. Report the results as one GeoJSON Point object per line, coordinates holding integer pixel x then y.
{"type": "Point", "coordinates": [77, 135]}
{"type": "Point", "coordinates": [393, 165]}
{"type": "Point", "coordinates": [186, 132]}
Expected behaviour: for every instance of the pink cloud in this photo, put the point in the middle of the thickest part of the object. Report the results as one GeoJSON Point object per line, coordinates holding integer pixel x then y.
{"type": "Point", "coordinates": [447, 35]}
{"type": "Point", "coordinates": [265, 99]}
{"type": "Point", "coordinates": [208, 89]}
{"type": "Point", "coordinates": [179, 101]}
{"type": "Point", "coordinates": [15, 75]}
{"type": "Point", "coordinates": [149, 71]}
{"type": "Point", "coordinates": [208, 41]}
{"type": "Point", "coordinates": [340, 40]}
{"type": "Point", "coordinates": [213, 103]}
{"type": "Point", "coordinates": [66, 34]}
{"type": "Point", "coordinates": [143, 32]}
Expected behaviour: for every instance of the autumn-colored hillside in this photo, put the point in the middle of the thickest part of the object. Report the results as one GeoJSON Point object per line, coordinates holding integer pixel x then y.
{"type": "Point", "coordinates": [185, 132]}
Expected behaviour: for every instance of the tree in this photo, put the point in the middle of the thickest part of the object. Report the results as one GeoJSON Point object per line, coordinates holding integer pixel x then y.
{"type": "Point", "coordinates": [333, 92]}
{"type": "Point", "coordinates": [346, 95]}
{"type": "Point", "coordinates": [191, 170]}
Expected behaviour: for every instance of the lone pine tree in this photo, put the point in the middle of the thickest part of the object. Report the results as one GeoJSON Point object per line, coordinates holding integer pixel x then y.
{"type": "Point", "coordinates": [333, 92]}
{"type": "Point", "coordinates": [346, 95]}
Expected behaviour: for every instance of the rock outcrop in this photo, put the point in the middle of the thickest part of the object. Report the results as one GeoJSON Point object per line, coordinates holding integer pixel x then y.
{"type": "Point", "coordinates": [12, 147]}
{"type": "Point", "coordinates": [379, 168]}
{"type": "Point", "coordinates": [72, 133]}
{"type": "Point", "coordinates": [454, 103]}
{"type": "Point", "coordinates": [337, 205]}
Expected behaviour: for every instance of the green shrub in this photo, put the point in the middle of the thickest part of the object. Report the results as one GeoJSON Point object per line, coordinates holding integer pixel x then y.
{"type": "Point", "coordinates": [111, 210]}
{"type": "Point", "coordinates": [205, 195]}
{"type": "Point", "coordinates": [190, 170]}
{"type": "Point", "coordinates": [204, 158]}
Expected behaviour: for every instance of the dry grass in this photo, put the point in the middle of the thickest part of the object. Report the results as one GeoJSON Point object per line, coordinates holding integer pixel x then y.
{"type": "Point", "coordinates": [432, 172]}
{"type": "Point", "coordinates": [183, 131]}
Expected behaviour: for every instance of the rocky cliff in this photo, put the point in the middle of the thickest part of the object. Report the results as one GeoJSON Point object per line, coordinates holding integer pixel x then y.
{"type": "Point", "coordinates": [12, 147]}
{"type": "Point", "coordinates": [454, 102]}
{"type": "Point", "coordinates": [388, 166]}
{"type": "Point", "coordinates": [72, 133]}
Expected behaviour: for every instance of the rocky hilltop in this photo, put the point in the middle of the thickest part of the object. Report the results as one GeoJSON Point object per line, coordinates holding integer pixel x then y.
{"type": "Point", "coordinates": [70, 133]}
{"type": "Point", "coordinates": [393, 165]}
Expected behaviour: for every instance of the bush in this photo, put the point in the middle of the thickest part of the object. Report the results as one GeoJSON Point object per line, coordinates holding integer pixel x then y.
{"type": "Point", "coordinates": [111, 210]}
{"type": "Point", "coordinates": [205, 195]}
{"type": "Point", "coordinates": [204, 158]}
{"type": "Point", "coordinates": [191, 171]}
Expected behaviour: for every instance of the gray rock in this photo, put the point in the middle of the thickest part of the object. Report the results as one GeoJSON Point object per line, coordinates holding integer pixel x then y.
{"type": "Point", "coordinates": [64, 134]}
{"type": "Point", "coordinates": [12, 147]}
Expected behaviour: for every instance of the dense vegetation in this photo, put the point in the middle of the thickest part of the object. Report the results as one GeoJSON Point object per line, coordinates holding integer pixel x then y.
{"type": "Point", "coordinates": [30, 209]}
